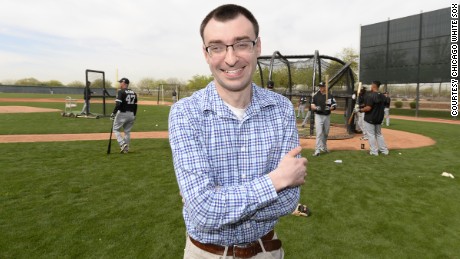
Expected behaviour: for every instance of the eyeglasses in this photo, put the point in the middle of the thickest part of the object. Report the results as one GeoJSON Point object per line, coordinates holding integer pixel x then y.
{"type": "Point", "coordinates": [240, 47]}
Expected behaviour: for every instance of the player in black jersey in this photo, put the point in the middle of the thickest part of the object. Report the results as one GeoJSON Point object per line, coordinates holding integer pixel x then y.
{"type": "Point", "coordinates": [374, 106]}
{"type": "Point", "coordinates": [124, 114]}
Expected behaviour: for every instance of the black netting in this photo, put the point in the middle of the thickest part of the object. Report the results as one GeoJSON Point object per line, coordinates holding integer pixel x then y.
{"type": "Point", "coordinates": [402, 62]}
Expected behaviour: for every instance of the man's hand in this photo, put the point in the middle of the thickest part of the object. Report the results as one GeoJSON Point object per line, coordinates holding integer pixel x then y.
{"type": "Point", "coordinates": [327, 108]}
{"type": "Point", "coordinates": [318, 108]}
{"type": "Point", "coordinates": [112, 116]}
{"type": "Point", "coordinates": [356, 110]}
{"type": "Point", "coordinates": [291, 171]}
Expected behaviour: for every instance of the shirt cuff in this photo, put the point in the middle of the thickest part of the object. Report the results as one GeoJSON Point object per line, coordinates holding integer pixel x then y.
{"type": "Point", "coordinates": [265, 191]}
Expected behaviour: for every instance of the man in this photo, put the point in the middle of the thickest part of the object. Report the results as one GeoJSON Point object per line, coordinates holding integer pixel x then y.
{"type": "Point", "coordinates": [235, 148]}
{"type": "Point", "coordinates": [174, 96]}
{"type": "Point", "coordinates": [322, 109]}
{"type": "Point", "coordinates": [360, 115]}
{"type": "Point", "coordinates": [305, 120]}
{"type": "Point", "coordinates": [374, 110]}
{"type": "Point", "coordinates": [302, 105]}
{"type": "Point", "coordinates": [387, 108]}
{"type": "Point", "coordinates": [124, 114]}
{"type": "Point", "coordinates": [87, 96]}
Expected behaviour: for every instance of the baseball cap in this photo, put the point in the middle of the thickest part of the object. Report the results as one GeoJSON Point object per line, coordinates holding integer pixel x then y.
{"type": "Point", "coordinates": [321, 84]}
{"type": "Point", "coordinates": [125, 80]}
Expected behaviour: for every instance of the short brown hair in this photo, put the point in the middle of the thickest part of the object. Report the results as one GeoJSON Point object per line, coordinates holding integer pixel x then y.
{"type": "Point", "coordinates": [228, 12]}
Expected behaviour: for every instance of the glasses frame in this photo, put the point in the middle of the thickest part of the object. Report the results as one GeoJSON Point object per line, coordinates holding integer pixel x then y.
{"type": "Point", "coordinates": [254, 42]}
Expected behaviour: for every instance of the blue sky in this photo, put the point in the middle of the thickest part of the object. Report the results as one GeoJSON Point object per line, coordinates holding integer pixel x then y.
{"type": "Point", "coordinates": [58, 40]}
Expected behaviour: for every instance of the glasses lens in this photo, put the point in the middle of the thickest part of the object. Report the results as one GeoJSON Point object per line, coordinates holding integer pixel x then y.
{"type": "Point", "coordinates": [216, 48]}
{"type": "Point", "coordinates": [241, 47]}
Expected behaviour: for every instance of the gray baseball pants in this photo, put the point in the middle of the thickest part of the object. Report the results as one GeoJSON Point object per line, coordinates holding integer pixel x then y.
{"type": "Point", "coordinates": [361, 124]}
{"type": "Point", "coordinates": [301, 111]}
{"type": "Point", "coordinates": [322, 124]}
{"type": "Point", "coordinates": [125, 120]}
{"type": "Point", "coordinates": [387, 116]}
{"type": "Point", "coordinates": [376, 140]}
{"type": "Point", "coordinates": [304, 122]}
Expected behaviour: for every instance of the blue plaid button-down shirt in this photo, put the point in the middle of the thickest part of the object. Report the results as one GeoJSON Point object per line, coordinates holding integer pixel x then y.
{"type": "Point", "coordinates": [221, 164]}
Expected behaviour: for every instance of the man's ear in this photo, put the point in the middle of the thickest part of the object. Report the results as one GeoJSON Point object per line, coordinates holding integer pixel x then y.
{"type": "Point", "coordinates": [206, 55]}
{"type": "Point", "coordinates": [259, 47]}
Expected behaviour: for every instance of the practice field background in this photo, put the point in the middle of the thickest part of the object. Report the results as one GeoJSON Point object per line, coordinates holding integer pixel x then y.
{"type": "Point", "coordinates": [71, 200]}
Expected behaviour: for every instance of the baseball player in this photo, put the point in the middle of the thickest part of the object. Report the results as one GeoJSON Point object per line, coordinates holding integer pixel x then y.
{"type": "Point", "coordinates": [87, 96]}
{"type": "Point", "coordinates": [387, 108]}
{"type": "Point", "coordinates": [124, 114]}
{"type": "Point", "coordinates": [374, 112]}
{"type": "Point", "coordinates": [322, 109]}
{"type": "Point", "coordinates": [360, 115]}
{"type": "Point", "coordinates": [302, 105]}
{"type": "Point", "coordinates": [305, 120]}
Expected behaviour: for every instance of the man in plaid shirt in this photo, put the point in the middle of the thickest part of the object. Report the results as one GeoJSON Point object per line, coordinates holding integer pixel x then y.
{"type": "Point", "coordinates": [235, 148]}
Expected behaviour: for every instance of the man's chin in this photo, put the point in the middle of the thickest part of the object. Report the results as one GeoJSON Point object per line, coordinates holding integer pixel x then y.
{"type": "Point", "coordinates": [233, 86]}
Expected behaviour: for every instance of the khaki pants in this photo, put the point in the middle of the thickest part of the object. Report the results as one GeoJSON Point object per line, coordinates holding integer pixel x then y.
{"type": "Point", "coordinates": [193, 252]}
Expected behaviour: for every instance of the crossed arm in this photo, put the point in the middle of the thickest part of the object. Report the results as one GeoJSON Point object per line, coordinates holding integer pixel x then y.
{"type": "Point", "coordinates": [211, 206]}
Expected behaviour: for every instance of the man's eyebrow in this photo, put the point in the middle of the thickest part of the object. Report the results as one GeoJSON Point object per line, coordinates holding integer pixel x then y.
{"type": "Point", "coordinates": [236, 39]}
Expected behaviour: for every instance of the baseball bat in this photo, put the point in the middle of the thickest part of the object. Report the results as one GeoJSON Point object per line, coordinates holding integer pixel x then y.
{"type": "Point", "coordinates": [110, 139]}
{"type": "Point", "coordinates": [357, 95]}
{"type": "Point", "coordinates": [327, 86]}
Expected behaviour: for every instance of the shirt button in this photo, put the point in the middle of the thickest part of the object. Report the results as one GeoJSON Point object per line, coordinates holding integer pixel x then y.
{"type": "Point", "coordinates": [243, 149]}
{"type": "Point", "coordinates": [243, 176]}
{"type": "Point", "coordinates": [248, 225]}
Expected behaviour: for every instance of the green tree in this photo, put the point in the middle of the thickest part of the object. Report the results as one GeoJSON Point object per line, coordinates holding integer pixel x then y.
{"type": "Point", "coordinates": [146, 85]}
{"type": "Point", "coordinates": [346, 55]}
{"type": "Point", "coordinates": [350, 55]}
{"type": "Point", "coordinates": [98, 83]}
{"type": "Point", "coordinates": [76, 84]}
{"type": "Point", "coordinates": [28, 81]}
{"type": "Point", "coordinates": [52, 83]}
{"type": "Point", "coordinates": [198, 82]}
{"type": "Point", "coordinates": [174, 81]}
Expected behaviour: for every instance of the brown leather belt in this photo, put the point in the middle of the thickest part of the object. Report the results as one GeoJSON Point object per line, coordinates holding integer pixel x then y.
{"type": "Point", "coordinates": [243, 251]}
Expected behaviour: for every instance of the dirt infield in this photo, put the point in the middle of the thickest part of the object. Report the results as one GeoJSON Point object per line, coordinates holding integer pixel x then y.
{"type": "Point", "coordinates": [75, 137]}
{"type": "Point", "coordinates": [25, 109]}
{"type": "Point", "coordinates": [395, 139]}
{"type": "Point", "coordinates": [56, 100]}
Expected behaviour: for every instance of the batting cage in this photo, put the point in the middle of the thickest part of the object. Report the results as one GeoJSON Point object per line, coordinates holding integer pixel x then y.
{"type": "Point", "coordinates": [297, 77]}
{"type": "Point", "coordinates": [101, 100]}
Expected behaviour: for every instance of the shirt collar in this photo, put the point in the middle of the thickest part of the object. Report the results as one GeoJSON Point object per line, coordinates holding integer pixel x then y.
{"type": "Point", "coordinates": [261, 98]}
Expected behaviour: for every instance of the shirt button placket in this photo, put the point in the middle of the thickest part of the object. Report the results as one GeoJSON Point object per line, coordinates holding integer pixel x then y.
{"type": "Point", "coordinates": [243, 149]}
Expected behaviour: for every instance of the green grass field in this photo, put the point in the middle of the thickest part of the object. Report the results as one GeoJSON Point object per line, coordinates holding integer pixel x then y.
{"type": "Point", "coordinates": [71, 200]}
{"type": "Point", "coordinates": [423, 113]}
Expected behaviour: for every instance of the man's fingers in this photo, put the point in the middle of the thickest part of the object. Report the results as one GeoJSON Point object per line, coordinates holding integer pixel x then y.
{"type": "Point", "coordinates": [294, 152]}
{"type": "Point", "coordinates": [305, 161]}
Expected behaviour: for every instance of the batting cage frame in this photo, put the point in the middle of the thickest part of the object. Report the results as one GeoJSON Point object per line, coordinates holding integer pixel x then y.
{"type": "Point", "coordinates": [280, 73]}
{"type": "Point", "coordinates": [96, 89]}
